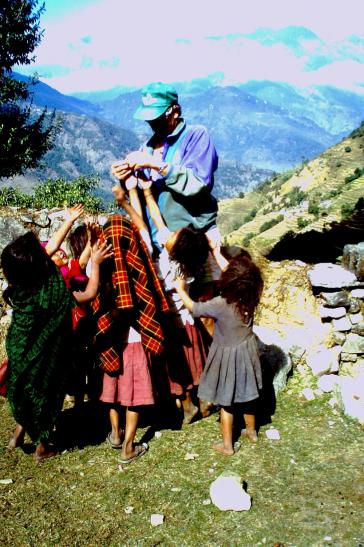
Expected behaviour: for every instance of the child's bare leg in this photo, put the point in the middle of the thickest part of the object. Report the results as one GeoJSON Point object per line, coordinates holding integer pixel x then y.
{"type": "Point", "coordinates": [18, 437]}
{"type": "Point", "coordinates": [189, 409]}
{"type": "Point", "coordinates": [116, 431]}
{"type": "Point", "coordinates": [131, 450]}
{"type": "Point", "coordinates": [250, 431]}
{"type": "Point", "coordinates": [205, 408]}
{"type": "Point", "coordinates": [226, 424]}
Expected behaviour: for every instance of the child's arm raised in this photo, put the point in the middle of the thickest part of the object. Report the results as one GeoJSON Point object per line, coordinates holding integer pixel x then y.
{"type": "Point", "coordinates": [120, 196]}
{"type": "Point", "coordinates": [152, 205]}
{"type": "Point", "coordinates": [59, 236]}
{"type": "Point", "coordinates": [180, 286]}
{"type": "Point", "coordinates": [100, 251]}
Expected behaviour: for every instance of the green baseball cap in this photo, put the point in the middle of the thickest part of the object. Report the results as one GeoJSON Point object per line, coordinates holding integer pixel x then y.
{"type": "Point", "coordinates": [156, 99]}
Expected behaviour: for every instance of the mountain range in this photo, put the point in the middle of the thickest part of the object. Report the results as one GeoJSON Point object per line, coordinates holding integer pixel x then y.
{"type": "Point", "coordinates": [258, 128]}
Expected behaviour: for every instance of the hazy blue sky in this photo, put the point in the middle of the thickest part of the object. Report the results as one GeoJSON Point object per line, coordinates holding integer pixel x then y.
{"type": "Point", "coordinates": [98, 44]}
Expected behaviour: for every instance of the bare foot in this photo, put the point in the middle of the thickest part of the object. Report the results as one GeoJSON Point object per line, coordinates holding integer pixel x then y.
{"type": "Point", "coordinates": [18, 437]}
{"type": "Point", "coordinates": [221, 448]}
{"type": "Point", "coordinates": [44, 455]}
{"type": "Point", "coordinates": [189, 414]}
{"type": "Point", "coordinates": [250, 434]}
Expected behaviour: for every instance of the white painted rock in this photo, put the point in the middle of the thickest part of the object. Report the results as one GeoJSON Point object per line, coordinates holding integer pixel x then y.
{"type": "Point", "coordinates": [272, 434]}
{"type": "Point", "coordinates": [226, 492]}
{"type": "Point", "coordinates": [331, 276]}
{"type": "Point", "coordinates": [308, 394]}
{"type": "Point", "coordinates": [327, 382]}
{"type": "Point", "coordinates": [350, 392]}
{"type": "Point", "coordinates": [333, 313]}
{"type": "Point", "coordinates": [341, 325]}
{"type": "Point", "coordinates": [323, 360]}
{"type": "Point", "coordinates": [156, 519]}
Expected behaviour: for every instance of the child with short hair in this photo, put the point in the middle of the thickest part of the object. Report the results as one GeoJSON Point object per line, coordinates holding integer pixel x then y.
{"type": "Point", "coordinates": [232, 376]}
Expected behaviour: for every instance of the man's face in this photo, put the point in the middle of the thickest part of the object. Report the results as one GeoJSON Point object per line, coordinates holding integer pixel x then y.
{"type": "Point", "coordinates": [166, 123]}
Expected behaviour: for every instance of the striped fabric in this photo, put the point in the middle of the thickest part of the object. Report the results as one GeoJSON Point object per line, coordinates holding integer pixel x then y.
{"type": "Point", "coordinates": [135, 287]}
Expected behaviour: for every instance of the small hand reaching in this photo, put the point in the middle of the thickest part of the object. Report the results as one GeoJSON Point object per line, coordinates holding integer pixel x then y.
{"type": "Point", "coordinates": [101, 251]}
{"type": "Point", "coordinates": [74, 212]}
{"type": "Point", "coordinates": [119, 193]}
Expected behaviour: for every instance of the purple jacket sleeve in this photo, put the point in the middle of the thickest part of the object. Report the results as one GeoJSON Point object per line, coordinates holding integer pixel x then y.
{"type": "Point", "coordinates": [194, 161]}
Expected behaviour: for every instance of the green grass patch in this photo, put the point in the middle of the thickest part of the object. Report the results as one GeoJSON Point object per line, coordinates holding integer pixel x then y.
{"type": "Point", "coordinates": [304, 487]}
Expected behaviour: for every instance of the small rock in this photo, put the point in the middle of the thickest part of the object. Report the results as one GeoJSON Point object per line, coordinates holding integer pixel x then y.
{"type": "Point", "coordinates": [272, 434]}
{"type": "Point", "coordinates": [356, 318]}
{"type": "Point", "coordinates": [333, 313]}
{"type": "Point", "coordinates": [358, 293]}
{"type": "Point", "coordinates": [335, 299]}
{"type": "Point", "coordinates": [323, 359]}
{"type": "Point", "coordinates": [292, 461]}
{"type": "Point", "coordinates": [6, 481]}
{"type": "Point", "coordinates": [156, 519]}
{"type": "Point", "coordinates": [176, 489]}
{"type": "Point", "coordinates": [211, 470]}
{"type": "Point", "coordinates": [354, 343]}
{"type": "Point", "coordinates": [206, 502]}
{"type": "Point", "coordinates": [308, 394]}
{"type": "Point", "coordinates": [358, 329]}
{"type": "Point", "coordinates": [128, 509]}
{"type": "Point", "coordinates": [327, 538]}
{"type": "Point", "coordinates": [158, 434]}
{"type": "Point", "coordinates": [355, 305]}
{"type": "Point", "coordinates": [327, 382]}
{"type": "Point", "coordinates": [191, 456]}
{"type": "Point", "coordinates": [226, 492]}
{"type": "Point", "coordinates": [82, 474]}
{"type": "Point", "coordinates": [339, 337]}
{"type": "Point", "coordinates": [343, 324]}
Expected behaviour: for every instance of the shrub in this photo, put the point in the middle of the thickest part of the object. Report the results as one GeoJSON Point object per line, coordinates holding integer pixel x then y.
{"type": "Point", "coordinates": [314, 209]}
{"type": "Point", "coordinates": [302, 222]}
{"type": "Point", "coordinates": [56, 193]}
{"type": "Point", "coordinates": [346, 210]}
{"type": "Point", "coordinates": [247, 238]}
{"type": "Point", "coordinates": [347, 148]}
{"type": "Point", "coordinates": [270, 223]}
{"type": "Point", "coordinates": [295, 196]}
{"type": "Point", "coordinates": [358, 172]}
{"type": "Point", "coordinates": [241, 195]}
{"type": "Point", "coordinates": [252, 214]}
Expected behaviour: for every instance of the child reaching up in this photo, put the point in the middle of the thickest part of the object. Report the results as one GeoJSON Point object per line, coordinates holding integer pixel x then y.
{"type": "Point", "coordinates": [232, 376]}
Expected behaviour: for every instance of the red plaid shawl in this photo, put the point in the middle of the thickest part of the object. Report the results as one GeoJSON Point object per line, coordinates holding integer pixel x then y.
{"type": "Point", "coordinates": [136, 286]}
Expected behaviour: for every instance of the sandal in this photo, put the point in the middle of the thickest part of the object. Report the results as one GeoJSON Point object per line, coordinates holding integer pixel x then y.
{"type": "Point", "coordinates": [140, 449]}
{"type": "Point", "coordinates": [112, 444]}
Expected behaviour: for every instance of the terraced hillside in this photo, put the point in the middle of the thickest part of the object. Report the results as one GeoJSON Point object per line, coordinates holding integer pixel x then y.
{"type": "Point", "coordinates": [312, 197]}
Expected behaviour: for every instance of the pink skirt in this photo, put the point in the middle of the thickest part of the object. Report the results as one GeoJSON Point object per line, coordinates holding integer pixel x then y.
{"type": "Point", "coordinates": [133, 387]}
{"type": "Point", "coordinates": [185, 357]}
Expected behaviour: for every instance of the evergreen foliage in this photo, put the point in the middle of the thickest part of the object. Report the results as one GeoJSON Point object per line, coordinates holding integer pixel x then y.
{"type": "Point", "coordinates": [25, 134]}
{"type": "Point", "coordinates": [55, 193]}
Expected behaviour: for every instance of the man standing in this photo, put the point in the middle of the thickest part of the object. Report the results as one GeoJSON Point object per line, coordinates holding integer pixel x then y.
{"type": "Point", "coordinates": [179, 159]}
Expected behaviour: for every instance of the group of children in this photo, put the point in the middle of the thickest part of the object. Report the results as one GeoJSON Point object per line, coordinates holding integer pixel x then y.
{"type": "Point", "coordinates": [150, 316]}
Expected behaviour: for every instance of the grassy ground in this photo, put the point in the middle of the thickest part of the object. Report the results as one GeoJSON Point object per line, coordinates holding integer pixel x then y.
{"type": "Point", "coordinates": [306, 488]}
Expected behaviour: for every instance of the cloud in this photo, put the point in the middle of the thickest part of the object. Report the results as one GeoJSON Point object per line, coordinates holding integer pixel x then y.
{"type": "Point", "coordinates": [110, 43]}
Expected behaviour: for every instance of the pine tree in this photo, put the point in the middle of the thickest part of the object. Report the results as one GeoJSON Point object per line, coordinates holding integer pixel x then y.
{"type": "Point", "coordinates": [25, 133]}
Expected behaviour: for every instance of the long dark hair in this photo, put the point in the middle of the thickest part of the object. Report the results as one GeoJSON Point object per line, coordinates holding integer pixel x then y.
{"type": "Point", "coordinates": [25, 263]}
{"type": "Point", "coordinates": [190, 251]}
{"type": "Point", "coordinates": [242, 284]}
{"type": "Point", "coordinates": [78, 240]}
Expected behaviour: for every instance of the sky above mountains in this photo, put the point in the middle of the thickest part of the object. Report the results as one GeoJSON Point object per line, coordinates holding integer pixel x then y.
{"type": "Point", "coordinates": [91, 45]}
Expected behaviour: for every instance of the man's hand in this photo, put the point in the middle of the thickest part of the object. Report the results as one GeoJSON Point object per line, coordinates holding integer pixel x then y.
{"type": "Point", "coordinates": [121, 170]}
{"type": "Point", "coordinates": [142, 160]}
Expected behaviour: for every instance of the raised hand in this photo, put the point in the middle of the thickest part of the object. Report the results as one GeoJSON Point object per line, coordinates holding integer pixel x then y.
{"type": "Point", "coordinates": [74, 212]}
{"type": "Point", "coordinates": [101, 251]}
{"type": "Point", "coordinates": [119, 193]}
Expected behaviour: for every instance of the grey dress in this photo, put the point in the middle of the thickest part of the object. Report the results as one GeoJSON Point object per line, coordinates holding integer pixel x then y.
{"type": "Point", "coordinates": [232, 373]}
